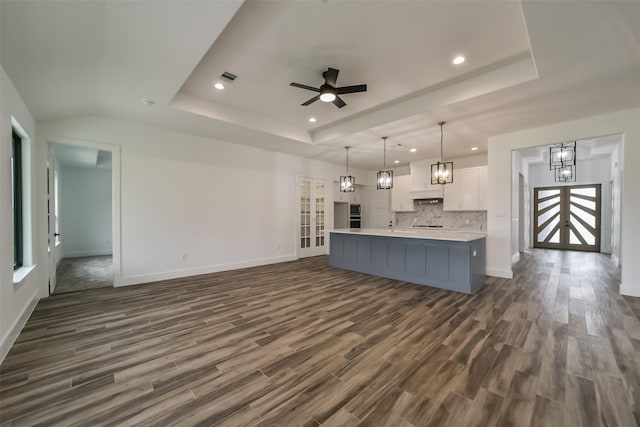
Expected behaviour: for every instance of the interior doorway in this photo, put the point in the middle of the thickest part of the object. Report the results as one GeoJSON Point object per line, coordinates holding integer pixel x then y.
{"type": "Point", "coordinates": [568, 217]}
{"type": "Point", "coordinates": [311, 202]}
{"type": "Point", "coordinates": [81, 203]}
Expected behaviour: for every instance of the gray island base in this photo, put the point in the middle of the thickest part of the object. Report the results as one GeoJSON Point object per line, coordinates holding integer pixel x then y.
{"type": "Point", "coordinates": [449, 260]}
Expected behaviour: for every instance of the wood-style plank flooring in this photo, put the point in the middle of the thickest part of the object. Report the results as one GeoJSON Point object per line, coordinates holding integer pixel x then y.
{"type": "Point", "coordinates": [304, 344]}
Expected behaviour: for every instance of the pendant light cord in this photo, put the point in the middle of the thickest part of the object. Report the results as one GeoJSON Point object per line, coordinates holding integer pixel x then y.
{"type": "Point", "coordinates": [384, 155]}
{"type": "Point", "coordinates": [441, 137]}
{"type": "Point", "coordinates": [347, 159]}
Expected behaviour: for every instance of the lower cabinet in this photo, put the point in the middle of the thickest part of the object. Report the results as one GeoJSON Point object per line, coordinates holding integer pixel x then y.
{"type": "Point", "coordinates": [453, 265]}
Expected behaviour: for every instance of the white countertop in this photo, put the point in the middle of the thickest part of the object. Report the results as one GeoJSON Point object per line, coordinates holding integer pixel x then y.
{"type": "Point", "coordinates": [450, 235]}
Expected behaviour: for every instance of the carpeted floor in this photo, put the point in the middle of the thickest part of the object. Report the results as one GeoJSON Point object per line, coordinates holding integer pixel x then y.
{"type": "Point", "coordinates": [77, 274]}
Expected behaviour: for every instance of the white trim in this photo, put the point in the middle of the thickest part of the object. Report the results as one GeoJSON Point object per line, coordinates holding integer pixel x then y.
{"type": "Point", "coordinates": [22, 273]}
{"type": "Point", "coordinates": [629, 290]}
{"type": "Point", "coordinates": [499, 272]}
{"type": "Point", "coordinates": [515, 257]}
{"type": "Point", "coordinates": [615, 259]}
{"type": "Point", "coordinates": [13, 332]}
{"type": "Point", "coordinates": [87, 253]}
{"type": "Point", "coordinates": [175, 274]}
{"type": "Point", "coordinates": [115, 195]}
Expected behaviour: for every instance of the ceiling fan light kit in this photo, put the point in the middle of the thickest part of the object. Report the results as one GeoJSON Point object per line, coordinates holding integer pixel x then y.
{"type": "Point", "coordinates": [441, 172]}
{"type": "Point", "coordinates": [347, 182]}
{"type": "Point", "coordinates": [384, 177]}
{"type": "Point", "coordinates": [328, 92]}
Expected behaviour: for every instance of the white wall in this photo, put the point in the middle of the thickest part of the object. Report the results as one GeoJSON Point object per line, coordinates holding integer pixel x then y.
{"type": "Point", "coordinates": [518, 167]}
{"type": "Point", "coordinates": [17, 300]}
{"type": "Point", "coordinates": [499, 228]}
{"type": "Point", "coordinates": [589, 171]}
{"type": "Point", "coordinates": [224, 205]}
{"type": "Point", "coordinates": [85, 211]}
{"type": "Point", "coordinates": [616, 204]}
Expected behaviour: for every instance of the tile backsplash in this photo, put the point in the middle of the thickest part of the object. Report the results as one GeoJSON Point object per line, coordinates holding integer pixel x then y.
{"type": "Point", "coordinates": [427, 214]}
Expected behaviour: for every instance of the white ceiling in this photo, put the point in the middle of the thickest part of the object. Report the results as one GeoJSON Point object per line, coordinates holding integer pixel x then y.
{"type": "Point", "coordinates": [529, 64]}
{"type": "Point", "coordinates": [396, 48]}
{"type": "Point", "coordinates": [586, 149]}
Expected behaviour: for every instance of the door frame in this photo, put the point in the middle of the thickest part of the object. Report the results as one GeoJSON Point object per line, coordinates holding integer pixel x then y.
{"type": "Point", "coordinates": [115, 202]}
{"type": "Point", "coordinates": [565, 201]}
{"type": "Point", "coordinates": [297, 222]}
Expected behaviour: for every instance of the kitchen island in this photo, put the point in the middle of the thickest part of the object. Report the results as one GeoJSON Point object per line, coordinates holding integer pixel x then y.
{"type": "Point", "coordinates": [453, 260]}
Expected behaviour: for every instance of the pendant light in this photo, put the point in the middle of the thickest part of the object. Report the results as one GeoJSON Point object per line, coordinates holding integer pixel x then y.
{"type": "Point", "coordinates": [562, 155]}
{"type": "Point", "coordinates": [347, 183]}
{"type": "Point", "coordinates": [385, 177]}
{"type": "Point", "coordinates": [441, 172]}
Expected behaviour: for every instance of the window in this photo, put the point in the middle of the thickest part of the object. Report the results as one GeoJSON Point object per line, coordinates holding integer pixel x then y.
{"type": "Point", "coordinates": [16, 201]}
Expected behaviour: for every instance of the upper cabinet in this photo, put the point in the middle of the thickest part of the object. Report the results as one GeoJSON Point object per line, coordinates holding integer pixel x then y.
{"type": "Point", "coordinates": [421, 187]}
{"type": "Point", "coordinates": [400, 198]}
{"type": "Point", "coordinates": [468, 191]}
{"type": "Point", "coordinates": [349, 197]}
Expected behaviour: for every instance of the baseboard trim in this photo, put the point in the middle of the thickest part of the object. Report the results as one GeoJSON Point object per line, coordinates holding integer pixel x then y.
{"type": "Point", "coordinates": [616, 260]}
{"type": "Point", "coordinates": [629, 290]}
{"type": "Point", "coordinates": [515, 258]}
{"type": "Point", "coordinates": [500, 272]}
{"type": "Point", "coordinates": [86, 253]}
{"type": "Point", "coordinates": [12, 334]}
{"type": "Point", "coordinates": [176, 274]}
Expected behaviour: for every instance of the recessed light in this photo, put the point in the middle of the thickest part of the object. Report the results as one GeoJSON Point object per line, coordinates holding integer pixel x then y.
{"type": "Point", "coordinates": [219, 86]}
{"type": "Point", "coordinates": [458, 60]}
{"type": "Point", "coordinates": [413, 150]}
{"type": "Point", "coordinates": [396, 161]}
{"type": "Point", "coordinates": [148, 102]}
{"type": "Point", "coordinates": [474, 148]}
{"type": "Point", "coordinates": [312, 119]}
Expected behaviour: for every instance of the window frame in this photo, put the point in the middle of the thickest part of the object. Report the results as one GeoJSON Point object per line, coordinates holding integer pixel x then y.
{"type": "Point", "coordinates": [17, 200]}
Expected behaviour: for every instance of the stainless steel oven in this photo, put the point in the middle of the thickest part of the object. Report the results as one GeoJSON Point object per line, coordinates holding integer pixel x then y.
{"type": "Point", "coordinates": [355, 215]}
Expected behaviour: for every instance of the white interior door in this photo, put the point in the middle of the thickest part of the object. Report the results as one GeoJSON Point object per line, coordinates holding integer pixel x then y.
{"type": "Point", "coordinates": [311, 205]}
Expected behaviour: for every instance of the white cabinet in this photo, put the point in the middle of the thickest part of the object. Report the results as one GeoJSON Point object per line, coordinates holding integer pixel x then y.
{"type": "Point", "coordinates": [421, 187]}
{"type": "Point", "coordinates": [339, 196]}
{"type": "Point", "coordinates": [483, 180]}
{"type": "Point", "coordinates": [400, 197]}
{"type": "Point", "coordinates": [468, 191]}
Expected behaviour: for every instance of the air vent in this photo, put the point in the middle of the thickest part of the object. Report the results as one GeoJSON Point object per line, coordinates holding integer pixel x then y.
{"type": "Point", "coordinates": [228, 76]}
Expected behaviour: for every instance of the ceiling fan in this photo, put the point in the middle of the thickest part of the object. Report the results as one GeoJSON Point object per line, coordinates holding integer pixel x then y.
{"type": "Point", "coordinates": [328, 91]}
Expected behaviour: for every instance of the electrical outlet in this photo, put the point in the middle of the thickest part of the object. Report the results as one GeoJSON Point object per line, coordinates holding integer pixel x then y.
{"type": "Point", "coordinates": [184, 256]}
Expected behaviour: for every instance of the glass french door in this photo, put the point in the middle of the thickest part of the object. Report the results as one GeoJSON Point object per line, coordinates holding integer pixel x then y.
{"type": "Point", "coordinates": [311, 202]}
{"type": "Point", "coordinates": [567, 217]}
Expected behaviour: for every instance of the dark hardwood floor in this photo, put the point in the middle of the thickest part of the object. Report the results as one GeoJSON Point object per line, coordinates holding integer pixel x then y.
{"type": "Point", "coordinates": [304, 344]}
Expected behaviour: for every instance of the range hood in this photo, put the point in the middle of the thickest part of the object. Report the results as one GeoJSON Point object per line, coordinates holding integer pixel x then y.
{"type": "Point", "coordinates": [427, 193]}
{"type": "Point", "coordinates": [429, 201]}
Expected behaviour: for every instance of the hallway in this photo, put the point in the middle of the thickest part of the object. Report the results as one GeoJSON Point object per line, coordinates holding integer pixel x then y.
{"type": "Point", "coordinates": [82, 273]}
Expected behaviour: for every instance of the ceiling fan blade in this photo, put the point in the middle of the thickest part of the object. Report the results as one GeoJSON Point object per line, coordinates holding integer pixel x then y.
{"type": "Point", "coordinates": [311, 101]}
{"type": "Point", "coordinates": [351, 89]}
{"type": "Point", "coordinates": [330, 76]}
{"type": "Point", "coordinates": [339, 102]}
{"type": "Point", "coordinates": [301, 86]}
